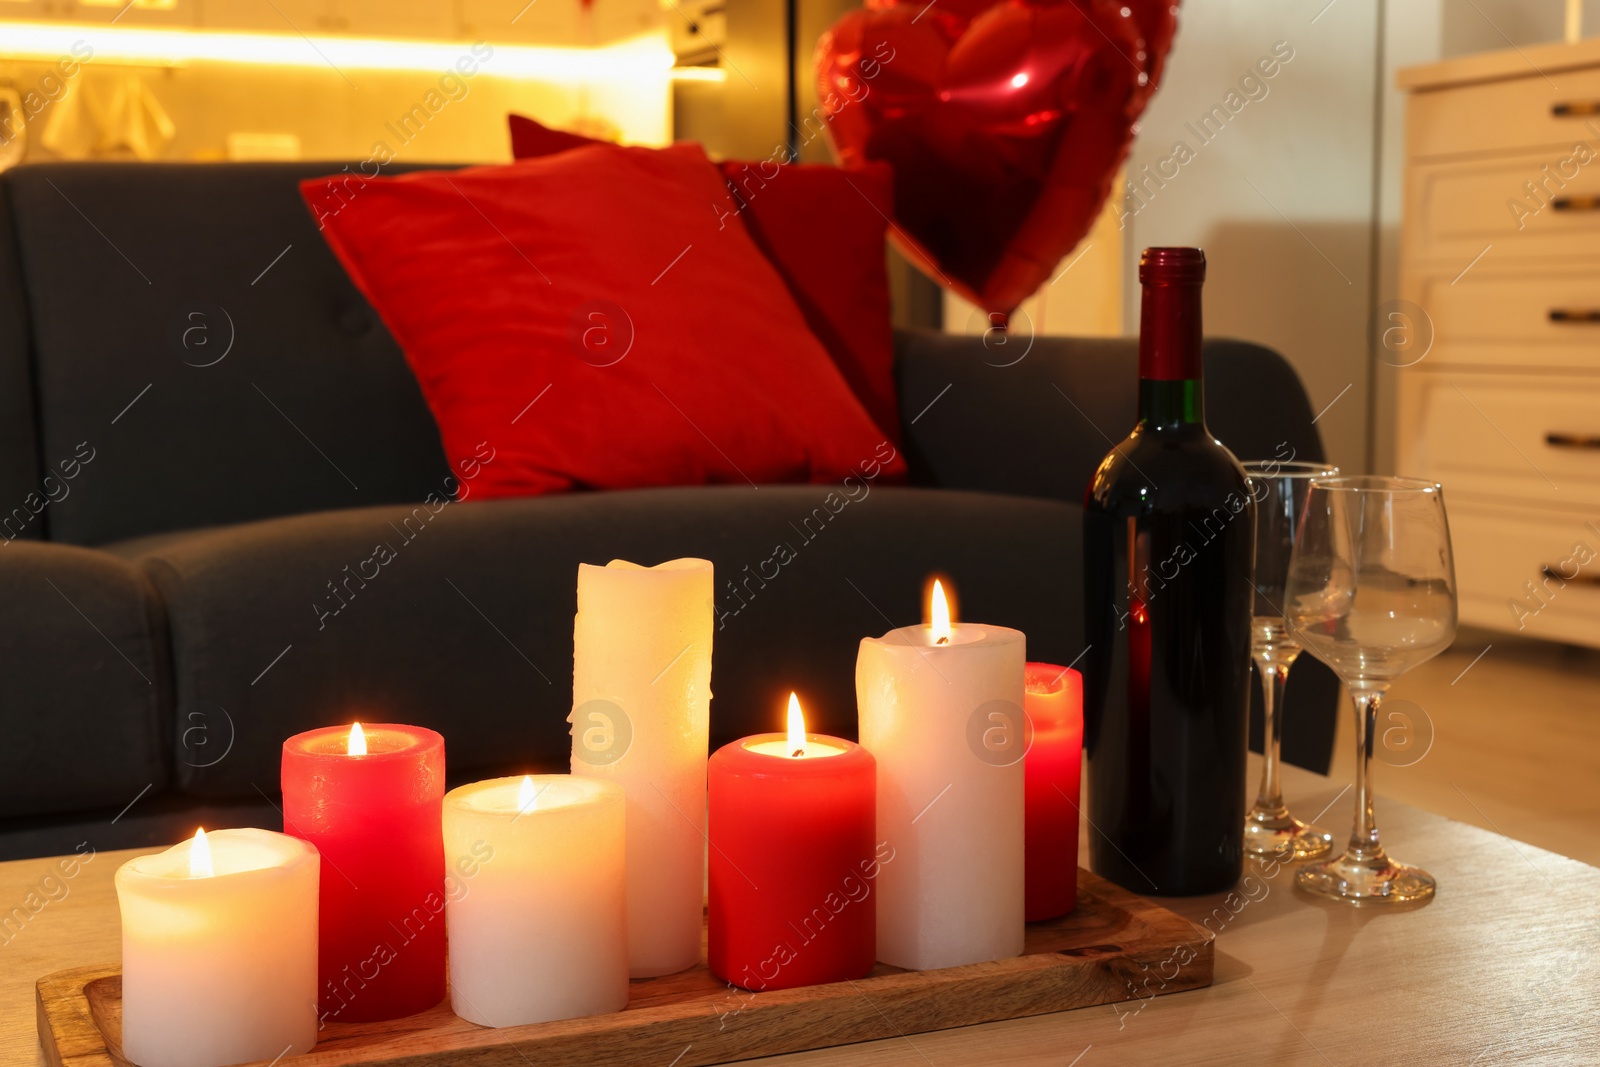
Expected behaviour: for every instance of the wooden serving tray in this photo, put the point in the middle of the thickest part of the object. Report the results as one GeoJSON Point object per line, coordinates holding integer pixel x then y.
{"type": "Point", "coordinates": [1115, 946]}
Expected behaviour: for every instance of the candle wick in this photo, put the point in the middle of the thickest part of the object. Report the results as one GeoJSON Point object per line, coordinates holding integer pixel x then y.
{"type": "Point", "coordinates": [942, 641]}
{"type": "Point", "coordinates": [797, 753]}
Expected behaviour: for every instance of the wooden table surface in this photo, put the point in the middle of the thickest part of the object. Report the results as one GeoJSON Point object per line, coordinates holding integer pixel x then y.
{"type": "Point", "coordinates": [1503, 967]}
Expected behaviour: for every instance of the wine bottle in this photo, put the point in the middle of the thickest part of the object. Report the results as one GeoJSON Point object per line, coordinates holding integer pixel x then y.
{"type": "Point", "coordinates": [1168, 559]}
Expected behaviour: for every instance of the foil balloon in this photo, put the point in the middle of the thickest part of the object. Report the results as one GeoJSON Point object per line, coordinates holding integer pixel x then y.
{"type": "Point", "coordinates": [1157, 23]}
{"type": "Point", "coordinates": [1004, 124]}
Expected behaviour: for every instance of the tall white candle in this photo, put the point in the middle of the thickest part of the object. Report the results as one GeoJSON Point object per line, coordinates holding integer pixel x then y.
{"type": "Point", "coordinates": [641, 696]}
{"type": "Point", "coordinates": [941, 712]}
{"type": "Point", "coordinates": [219, 950]}
{"type": "Point", "coordinates": [537, 910]}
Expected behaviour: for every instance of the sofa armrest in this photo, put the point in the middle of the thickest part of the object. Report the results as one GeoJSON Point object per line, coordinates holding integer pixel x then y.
{"type": "Point", "coordinates": [83, 655]}
{"type": "Point", "coordinates": [1034, 416]}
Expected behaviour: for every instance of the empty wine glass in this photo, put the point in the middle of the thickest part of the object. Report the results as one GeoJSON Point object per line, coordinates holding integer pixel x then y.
{"type": "Point", "coordinates": [1280, 490]}
{"type": "Point", "coordinates": [1371, 593]}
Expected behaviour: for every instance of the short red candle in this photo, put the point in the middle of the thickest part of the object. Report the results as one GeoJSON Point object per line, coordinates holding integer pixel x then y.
{"type": "Point", "coordinates": [376, 819]}
{"type": "Point", "coordinates": [792, 863]}
{"type": "Point", "coordinates": [1052, 771]}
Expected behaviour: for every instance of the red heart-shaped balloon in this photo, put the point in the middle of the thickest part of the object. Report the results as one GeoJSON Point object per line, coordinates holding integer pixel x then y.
{"type": "Point", "coordinates": [1004, 123]}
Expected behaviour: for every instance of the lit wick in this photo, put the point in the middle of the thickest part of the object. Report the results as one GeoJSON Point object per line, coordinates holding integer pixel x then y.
{"type": "Point", "coordinates": [939, 613]}
{"type": "Point", "coordinates": [797, 729]}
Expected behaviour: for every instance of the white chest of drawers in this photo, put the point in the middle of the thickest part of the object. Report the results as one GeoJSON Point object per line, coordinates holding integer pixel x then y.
{"type": "Point", "coordinates": [1499, 324]}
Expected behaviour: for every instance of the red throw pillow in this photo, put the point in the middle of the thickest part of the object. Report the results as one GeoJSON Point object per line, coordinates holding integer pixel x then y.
{"type": "Point", "coordinates": [823, 228]}
{"type": "Point", "coordinates": [585, 316]}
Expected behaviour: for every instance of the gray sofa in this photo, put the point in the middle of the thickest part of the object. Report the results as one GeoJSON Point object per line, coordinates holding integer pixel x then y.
{"type": "Point", "coordinates": [205, 432]}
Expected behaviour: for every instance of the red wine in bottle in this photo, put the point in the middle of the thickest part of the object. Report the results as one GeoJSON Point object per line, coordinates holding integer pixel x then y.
{"type": "Point", "coordinates": [1168, 558]}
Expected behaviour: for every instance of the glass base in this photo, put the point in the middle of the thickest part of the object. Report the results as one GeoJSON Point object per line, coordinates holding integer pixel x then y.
{"type": "Point", "coordinates": [1372, 879]}
{"type": "Point", "coordinates": [1284, 838]}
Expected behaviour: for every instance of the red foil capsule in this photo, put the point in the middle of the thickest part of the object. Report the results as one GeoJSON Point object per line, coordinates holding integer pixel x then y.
{"type": "Point", "coordinates": [1170, 313]}
{"type": "Point", "coordinates": [376, 819]}
{"type": "Point", "coordinates": [793, 862]}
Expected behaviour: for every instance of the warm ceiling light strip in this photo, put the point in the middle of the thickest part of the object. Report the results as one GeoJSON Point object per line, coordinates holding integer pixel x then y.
{"type": "Point", "coordinates": [643, 58]}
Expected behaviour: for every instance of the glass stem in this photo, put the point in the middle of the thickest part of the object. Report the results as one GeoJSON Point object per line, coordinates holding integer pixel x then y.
{"type": "Point", "coordinates": [1364, 844]}
{"type": "Point", "coordinates": [1274, 677]}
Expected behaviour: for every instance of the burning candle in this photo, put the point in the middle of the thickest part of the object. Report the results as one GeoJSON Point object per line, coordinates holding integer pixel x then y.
{"type": "Point", "coordinates": [941, 712]}
{"type": "Point", "coordinates": [538, 920]}
{"type": "Point", "coordinates": [1052, 770]}
{"type": "Point", "coordinates": [792, 859]}
{"type": "Point", "coordinates": [368, 798]}
{"type": "Point", "coordinates": [219, 950]}
{"type": "Point", "coordinates": [641, 717]}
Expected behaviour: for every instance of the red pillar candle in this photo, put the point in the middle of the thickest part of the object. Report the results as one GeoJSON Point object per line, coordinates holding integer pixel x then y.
{"type": "Point", "coordinates": [792, 861]}
{"type": "Point", "coordinates": [369, 798]}
{"type": "Point", "coordinates": [1052, 770]}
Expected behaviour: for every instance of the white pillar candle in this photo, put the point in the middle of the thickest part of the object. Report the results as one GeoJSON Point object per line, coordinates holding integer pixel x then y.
{"type": "Point", "coordinates": [941, 711]}
{"type": "Point", "coordinates": [537, 911]}
{"type": "Point", "coordinates": [641, 716]}
{"type": "Point", "coordinates": [219, 950]}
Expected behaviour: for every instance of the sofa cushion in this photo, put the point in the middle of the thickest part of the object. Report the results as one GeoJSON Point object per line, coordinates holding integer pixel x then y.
{"type": "Point", "coordinates": [84, 715]}
{"type": "Point", "coordinates": [670, 348]}
{"type": "Point", "coordinates": [460, 617]}
{"type": "Point", "coordinates": [189, 324]}
{"type": "Point", "coordinates": [823, 228]}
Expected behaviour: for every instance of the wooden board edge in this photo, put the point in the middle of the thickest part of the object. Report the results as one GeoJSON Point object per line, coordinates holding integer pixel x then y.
{"type": "Point", "coordinates": [71, 1039]}
{"type": "Point", "coordinates": [48, 1047]}
{"type": "Point", "coordinates": [68, 1034]}
{"type": "Point", "coordinates": [782, 1022]}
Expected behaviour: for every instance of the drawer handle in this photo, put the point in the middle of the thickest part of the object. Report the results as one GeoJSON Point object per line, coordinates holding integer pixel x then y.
{"type": "Point", "coordinates": [1576, 203]}
{"type": "Point", "coordinates": [1552, 573]}
{"type": "Point", "coordinates": [1572, 440]}
{"type": "Point", "coordinates": [1575, 109]}
{"type": "Point", "coordinates": [1575, 314]}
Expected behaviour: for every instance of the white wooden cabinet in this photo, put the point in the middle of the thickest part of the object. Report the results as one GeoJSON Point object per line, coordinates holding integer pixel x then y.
{"type": "Point", "coordinates": [1500, 251]}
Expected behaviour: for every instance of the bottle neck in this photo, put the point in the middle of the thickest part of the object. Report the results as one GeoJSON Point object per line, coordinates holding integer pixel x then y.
{"type": "Point", "coordinates": [1169, 356]}
{"type": "Point", "coordinates": [1167, 405]}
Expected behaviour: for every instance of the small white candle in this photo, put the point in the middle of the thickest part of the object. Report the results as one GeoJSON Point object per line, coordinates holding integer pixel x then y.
{"type": "Point", "coordinates": [537, 926]}
{"type": "Point", "coordinates": [929, 699]}
{"type": "Point", "coordinates": [641, 715]}
{"type": "Point", "coordinates": [219, 950]}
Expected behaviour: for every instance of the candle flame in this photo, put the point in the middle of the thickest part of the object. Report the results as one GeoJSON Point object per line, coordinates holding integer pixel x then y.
{"type": "Point", "coordinates": [200, 856]}
{"type": "Point", "coordinates": [357, 745]}
{"type": "Point", "coordinates": [527, 795]}
{"type": "Point", "coordinates": [797, 728]}
{"type": "Point", "coordinates": [939, 614]}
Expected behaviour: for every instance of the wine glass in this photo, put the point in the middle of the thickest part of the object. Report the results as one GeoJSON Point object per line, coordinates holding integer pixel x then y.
{"type": "Point", "coordinates": [1371, 593]}
{"type": "Point", "coordinates": [1280, 489]}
